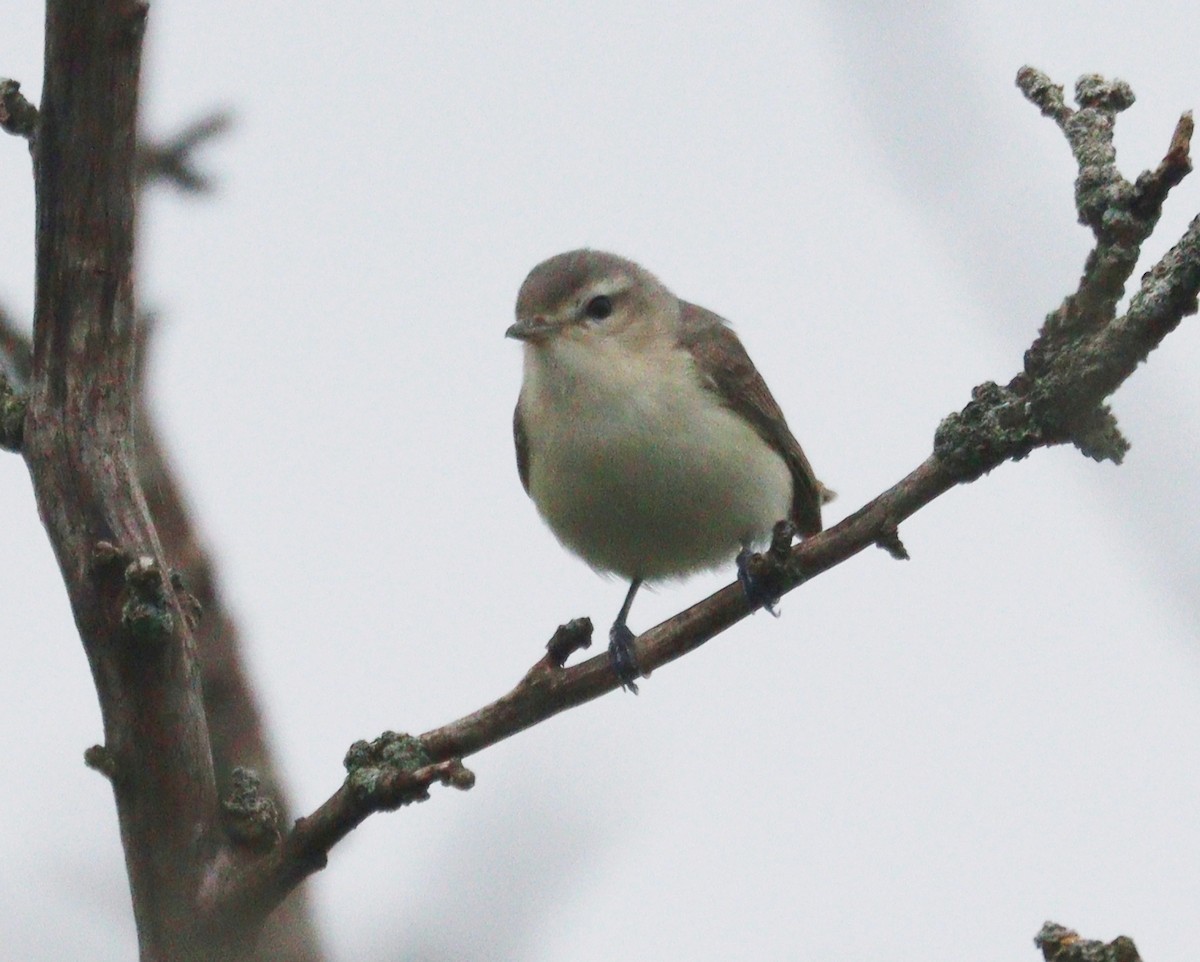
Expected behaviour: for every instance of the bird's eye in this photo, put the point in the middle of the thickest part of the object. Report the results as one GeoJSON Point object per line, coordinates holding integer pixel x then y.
{"type": "Point", "coordinates": [598, 308]}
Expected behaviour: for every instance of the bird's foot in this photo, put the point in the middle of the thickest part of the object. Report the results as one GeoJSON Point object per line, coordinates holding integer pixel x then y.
{"type": "Point", "coordinates": [755, 578]}
{"type": "Point", "coordinates": [620, 655]}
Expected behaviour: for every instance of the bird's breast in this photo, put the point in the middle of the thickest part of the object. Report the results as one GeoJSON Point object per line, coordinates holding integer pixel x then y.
{"type": "Point", "coordinates": [641, 470]}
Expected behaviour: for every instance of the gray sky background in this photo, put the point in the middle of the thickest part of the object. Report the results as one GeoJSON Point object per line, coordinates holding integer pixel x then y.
{"type": "Point", "coordinates": [919, 760]}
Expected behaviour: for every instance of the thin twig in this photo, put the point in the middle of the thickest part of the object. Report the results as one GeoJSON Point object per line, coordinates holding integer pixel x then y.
{"type": "Point", "coordinates": [173, 160]}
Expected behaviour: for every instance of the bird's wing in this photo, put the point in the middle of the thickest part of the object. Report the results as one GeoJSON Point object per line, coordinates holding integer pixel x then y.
{"type": "Point", "coordinates": [521, 440]}
{"type": "Point", "coordinates": [727, 371]}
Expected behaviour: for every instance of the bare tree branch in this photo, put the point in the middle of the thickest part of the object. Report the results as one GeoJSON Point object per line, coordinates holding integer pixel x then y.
{"type": "Point", "coordinates": [1060, 944]}
{"type": "Point", "coordinates": [195, 895]}
{"type": "Point", "coordinates": [235, 723]}
{"type": "Point", "coordinates": [386, 774]}
{"type": "Point", "coordinates": [238, 737]}
{"type": "Point", "coordinates": [78, 443]}
{"type": "Point", "coordinates": [1082, 354]}
{"type": "Point", "coordinates": [172, 160]}
{"type": "Point", "coordinates": [17, 115]}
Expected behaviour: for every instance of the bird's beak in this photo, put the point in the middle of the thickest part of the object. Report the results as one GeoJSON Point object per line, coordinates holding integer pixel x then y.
{"type": "Point", "coordinates": [536, 328]}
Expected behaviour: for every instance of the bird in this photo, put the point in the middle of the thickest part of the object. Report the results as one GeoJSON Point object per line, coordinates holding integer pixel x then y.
{"type": "Point", "coordinates": [645, 436]}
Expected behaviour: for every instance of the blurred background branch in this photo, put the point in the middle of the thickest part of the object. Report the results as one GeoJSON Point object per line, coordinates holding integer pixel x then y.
{"type": "Point", "coordinates": [172, 161]}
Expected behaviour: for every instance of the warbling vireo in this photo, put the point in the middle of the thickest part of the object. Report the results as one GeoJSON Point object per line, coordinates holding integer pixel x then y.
{"type": "Point", "coordinates": [645, 436]}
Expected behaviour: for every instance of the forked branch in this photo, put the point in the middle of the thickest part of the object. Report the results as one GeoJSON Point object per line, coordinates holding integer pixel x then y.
{"type": "Point", "coordinates": [203, 882]}
{"type": "Point", "coordinates": [1083, 352]}
{"type": "Point", "coordinates": [77, 440]}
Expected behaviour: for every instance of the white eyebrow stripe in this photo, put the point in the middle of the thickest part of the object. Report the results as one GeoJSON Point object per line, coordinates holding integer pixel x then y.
{"type": "Point", "coordinates": [607, 286]}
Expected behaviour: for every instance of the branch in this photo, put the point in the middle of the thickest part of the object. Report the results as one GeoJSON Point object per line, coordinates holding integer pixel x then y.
{"type": "Point", "coordinates": [235, 724]}
{"type": "Point", "coordinates": [240, 750]}
{"type": "Point", "coordinates": [78, 443]}
{"type": "Point", "coordinates": [1082, 354]}
{"type": "Point", "coordinates": [1060, 944]}
{"type": "Point", "coordinates": [17, 115]}
{"type": "Point", "coordinates": [383, 775]}
{"type": "Point", "coordinates": [172, 160]}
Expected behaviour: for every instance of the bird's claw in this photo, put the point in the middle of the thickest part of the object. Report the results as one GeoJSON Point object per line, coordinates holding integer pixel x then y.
{"type": "Point", "coordinates": [758, 593]}
{"type": "Point", "coordinates": [620, 655]}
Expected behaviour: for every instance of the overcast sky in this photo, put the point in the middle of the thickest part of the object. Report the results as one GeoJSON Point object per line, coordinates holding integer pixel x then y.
{"type": "Point", "coordinates": [919, 760]}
